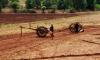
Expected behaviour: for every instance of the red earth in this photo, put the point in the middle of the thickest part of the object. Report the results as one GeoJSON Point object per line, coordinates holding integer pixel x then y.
{"type": "Point", "coordinates": [64, 46]}
{"type": "Point", "coordinates": [11, 47]}
{"type": "Point", "coordinates": [27, 17]}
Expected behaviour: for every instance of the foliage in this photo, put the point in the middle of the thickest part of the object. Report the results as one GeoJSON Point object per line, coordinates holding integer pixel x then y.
{"type": "Point", "coordinates": [14, 5]}
{"type": "Point", "coordinates": [37, 4]}
{"type": "Point", "coordinates": [43, 9]}
{"type": "Point", "coordinates": [30, 4]}
{"type": "Point", "coordinates": [54, 2]}
{"type": "Point", "coordinates": [4, 3]}
{"type": "Point", "coordinates": [43, 6]}
{"type": "Point", "coordinates": [48, 4]}
{"type": "Point", "coordinates": [78, 5]}
{"type": "Point", "coordinates": [0, 7]}
{"type": "Point", "coordinates": [97, 6]}
{"type": "Point", "coordinates": [91, 4]}
{"type": "Point", "coordinates": [61, 4]}
{"type": "Point", "coordinates": [98, 1]}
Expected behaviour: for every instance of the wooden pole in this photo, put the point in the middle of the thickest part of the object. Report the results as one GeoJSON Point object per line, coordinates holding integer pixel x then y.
{"type": "Point", "coordinates": [30, 25]}
{"type": "Point", "coordinates": [21, 31]}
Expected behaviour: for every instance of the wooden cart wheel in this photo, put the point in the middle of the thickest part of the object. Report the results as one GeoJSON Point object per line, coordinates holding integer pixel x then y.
{"type": "Point", "coordinates": [42, 31]}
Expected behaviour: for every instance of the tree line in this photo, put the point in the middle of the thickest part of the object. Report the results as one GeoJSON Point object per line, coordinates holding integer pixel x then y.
{"type": "Point", "coordinates": [78, 5]}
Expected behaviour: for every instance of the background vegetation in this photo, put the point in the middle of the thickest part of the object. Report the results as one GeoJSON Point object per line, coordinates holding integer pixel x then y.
{"type": "Point", "coordinates": [71, 5]}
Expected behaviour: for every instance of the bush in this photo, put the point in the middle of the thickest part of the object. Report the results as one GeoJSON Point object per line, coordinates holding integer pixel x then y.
{"type": "Point", "coordinates": [30, 4]}
{"type": "Point", "coordinates": [4, 3]}
{"type": "Point", "coordinates": [15, 5]}
{"type": "Point", "coordinates": [22, 11]}
{"type": "Point", "coordinates": [61, 5]}
{"type": "Point", "coordinates": [26, 11]}
{"type": "Point", "coordinates": [43, 9]}
{"type": "Point", "coordinates": [53, 9]}
{"type": "Point", "coordinates": [0, 7]}
{"type": "Point", "coordinates": [72, 10]}
{"type": "Point", "coordinates": [97, 6]}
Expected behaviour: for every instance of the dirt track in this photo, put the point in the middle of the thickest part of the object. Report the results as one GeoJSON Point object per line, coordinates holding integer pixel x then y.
{"type": "Point", "coordinates": [65, 46]}
{"type": "Point", "coordinates": [27, 17]}
{"type": "Point", "coordinates": [64, 43]}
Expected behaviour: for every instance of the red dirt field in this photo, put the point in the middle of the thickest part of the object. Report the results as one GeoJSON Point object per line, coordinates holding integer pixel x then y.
{"type": "Point", "coordinates": [65, 46]}
{"type": "Point", "coordinates": [27, 17]}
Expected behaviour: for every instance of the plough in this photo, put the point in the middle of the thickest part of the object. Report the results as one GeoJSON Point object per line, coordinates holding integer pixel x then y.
{"type": "Point", "coordinates": [41, 31]}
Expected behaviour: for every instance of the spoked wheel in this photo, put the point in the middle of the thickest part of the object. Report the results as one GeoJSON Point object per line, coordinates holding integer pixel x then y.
{"type": "Point", "coordinates": [76, 26]}
{"type": "Point", "coordinates": [42, 31]}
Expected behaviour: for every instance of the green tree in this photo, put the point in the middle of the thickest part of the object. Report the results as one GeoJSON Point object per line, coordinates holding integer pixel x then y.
{"type": "Point", "coordinates": [37, 4]}
{"type": "Point", "coordinates": [79, 4]}
{"type": "Point", "coordinates": [30, 4]}
{"type": "Point", "coordinates": [69, 4]}
{"type": "Point", "coordinates": [43, 6]}
{"type": "Point", "coordinates": [54, 2]}
{"type": "Point", "coordinates": [4, 3]}
{"type": "Point", "coordinates": [14, 5]}
{"type": "Point", "coordinates": [91, 4]}
{"type": "Point", "coordinates": [98, 1]}
{"type": "Point", "coordinates": [61, 4]}
{"type": "Point", "coordinates": [0, 6]}
{"type": "Point", "coordinates": [48, 4]}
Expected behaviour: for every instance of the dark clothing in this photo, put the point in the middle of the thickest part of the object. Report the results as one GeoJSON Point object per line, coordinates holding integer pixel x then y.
{"type": "Point", "coordinates": [52, 29]}
{"type": "Point", "coordinates": [76, 27]}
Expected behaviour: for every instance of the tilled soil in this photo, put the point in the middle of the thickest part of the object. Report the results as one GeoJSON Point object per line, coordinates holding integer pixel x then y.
{"type": "Point", "coordinates": [64, 46]}
{"type": "Point", "coordinates": [29, 17]}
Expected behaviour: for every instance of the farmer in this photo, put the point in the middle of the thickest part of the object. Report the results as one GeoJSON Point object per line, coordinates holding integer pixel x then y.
{"type": "Point", "coordinates": [77, 26]}
{"type": "Point", "coordinates": [52, 31]}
